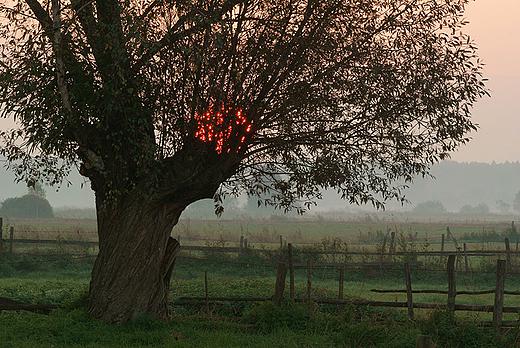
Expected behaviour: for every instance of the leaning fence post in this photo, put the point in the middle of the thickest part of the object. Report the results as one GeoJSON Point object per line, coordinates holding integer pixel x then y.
{"type": "Point", "coordinates": [499, 296]}
{"type": "Point", "coordinates": [11, 237]}
{"type": "Point", "coordinates": [241, 246]}
{"type": "Point", "coordinates": [508, 252]}
{"type": "Point", "coordinates": [452, 287]}
{"type": "Point", "coordinates": [291, 271]}
{"type": "Point", "coordinates": [382, 253]}
{"type": "Point", "coordinates": [392, 244]}
{"type": "Point", "coordinates": [409, 299]}
{"type": "Point", "coordinates": [442, 248]}
{"type": "Point", "coordinates": [466, 258]}
{"type": "Point", "coordinates": [280, 284]}
{"type": "Point", "coordinates": [309, 279]}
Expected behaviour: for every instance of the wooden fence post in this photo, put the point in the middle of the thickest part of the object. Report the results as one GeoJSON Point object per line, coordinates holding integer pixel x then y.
{"type": "Point", "coordinates": [340, 292]}
{"type": "Point", "coordinates": [466, 258]}
{"type": "Point", "coordinates": [245, 243]}
{"type": "Point", "coordinates": [241, 246]}
{"type": "Point", "coordinates": [382, 253]}
{"type": "Point", "coordinates": [452, 280]}
{"type": "Point", "coordinates": [442, 248]}
{"type": "Point", "coordinates": [409, 299]}
{"type": "Point", "coordinates": [499, 296]}
{"type": "Point", "coordinates": [11, 237]}
{"type": "Point", "coordinates": [309, 279]}
{"type": "Point", "coordinates": [280, 284]}
{"type": "Point", "coordinates": [392, 244]}
{"type": "Point", "coordinates": [424, 341]}
{"type": "Point", "coordinates": [508, 252]}
{"type": "Point", "coordinates": [281, 242]}
{"type": "Point", "coordinates": [291, 271]}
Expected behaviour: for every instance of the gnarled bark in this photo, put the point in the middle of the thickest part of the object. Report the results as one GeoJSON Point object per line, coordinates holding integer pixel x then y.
{"type": "Point", "coordinates": [132, 272]}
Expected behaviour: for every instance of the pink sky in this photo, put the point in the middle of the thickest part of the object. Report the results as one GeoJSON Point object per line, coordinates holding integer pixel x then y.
{"type": "Point", "coordinates": [495, 27]}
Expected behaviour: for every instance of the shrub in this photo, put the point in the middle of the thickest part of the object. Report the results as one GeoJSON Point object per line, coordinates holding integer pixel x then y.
{"type": "Point", "coordinates": [28, 206]}
{"type": "Point", "coordinates": [430, 207]}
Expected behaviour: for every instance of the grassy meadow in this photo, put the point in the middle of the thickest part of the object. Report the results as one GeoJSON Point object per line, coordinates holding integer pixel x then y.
{"type": "Point", "coordinates": [59, 275]}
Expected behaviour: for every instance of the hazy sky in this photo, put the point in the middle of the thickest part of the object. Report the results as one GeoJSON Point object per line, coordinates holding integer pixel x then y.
{"type": "Point", "coordinates": [495, 27]}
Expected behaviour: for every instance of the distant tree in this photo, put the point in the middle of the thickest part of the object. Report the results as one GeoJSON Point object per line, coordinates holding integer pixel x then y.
{"type": "Point", "coordinates": [36, 189]}
{"type": "Point", "coordinates": [430, 207]}
{"type": "Point", "coordinates": [480, 209]}
{"type": "Point", "coordinates": [164, 103]}
{"type": "Point", "coordinates": [503, 207]}
{"type": "Point", "coordinates": [516, 202]}
{"type": "Point", "coordinates": [27, 206]}
{"type": "Point", "coordinates": [466, 209]}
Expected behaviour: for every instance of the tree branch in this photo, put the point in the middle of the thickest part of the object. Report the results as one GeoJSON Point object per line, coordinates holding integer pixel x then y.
{"type": "Point", "coordinates": [173, 33]}
{"type": "Point", "coordinates": [43, 17]}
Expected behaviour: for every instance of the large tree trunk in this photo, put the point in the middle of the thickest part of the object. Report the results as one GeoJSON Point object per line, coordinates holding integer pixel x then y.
{"type": "Point", "coordinates": [131, 275]}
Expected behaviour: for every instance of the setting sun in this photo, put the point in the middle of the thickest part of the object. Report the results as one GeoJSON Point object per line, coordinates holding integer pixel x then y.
{"type": "Point", "coordinates": [226, 128]}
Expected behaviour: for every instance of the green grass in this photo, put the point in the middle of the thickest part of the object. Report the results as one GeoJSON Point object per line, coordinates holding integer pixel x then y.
{"type": "Point", "coordinates": [61, 279]}
{"type": "Point", "coordinates": [265, 325]}
{"type": "Point", "coordinates": [239, 324]}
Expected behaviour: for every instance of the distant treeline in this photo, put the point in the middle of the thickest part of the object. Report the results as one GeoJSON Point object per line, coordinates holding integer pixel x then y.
{"type": "Point", "coordinates": [466, 187]}
{"type": "Point", "coordinates": [457, 186]}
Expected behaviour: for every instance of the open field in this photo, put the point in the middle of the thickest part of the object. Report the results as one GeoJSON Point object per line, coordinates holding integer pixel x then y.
{"type": "Point", "coordinates": [242, 324]}
{"type": "Point", "coordinates": [62, 278]}
{"type": "Point", "coordinates": [355, 230]}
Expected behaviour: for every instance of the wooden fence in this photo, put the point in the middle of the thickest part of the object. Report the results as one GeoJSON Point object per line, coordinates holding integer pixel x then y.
{"type": "Point", "coordinates": [243, 247]}
{"type": "Point", "coordinates": [497, 308]}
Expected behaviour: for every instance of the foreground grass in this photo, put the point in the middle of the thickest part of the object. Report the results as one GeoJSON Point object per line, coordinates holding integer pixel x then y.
{"type": "Point", "coordinates": [292, 325]}
{"type": "Point", "coordinates": [76, 329]}
{"type": "Point", "coordinates": [65, 282]}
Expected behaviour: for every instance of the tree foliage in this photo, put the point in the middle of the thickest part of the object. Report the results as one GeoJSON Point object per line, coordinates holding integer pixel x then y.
{"type": "Point", "coordinates": [480, 209]}
{"type": "Point", "coordinates": [516, 202]}
{"type": "Point", "coordinates": [27, 206]}
{"type": "Point", "coordinates": [344, 94]}
{"type": "Point", "coordinates": [164, 103]}
{"type": "Point", "coordinates": [430, 207]}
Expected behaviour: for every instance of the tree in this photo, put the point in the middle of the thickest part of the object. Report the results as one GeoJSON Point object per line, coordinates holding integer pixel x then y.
{"type": "Point", "coordinates": [480, 209]}
{"type": "Point", "coordinates": [516, 202]}
{"type": "Point", "coordinates": [503, 207]}
{"type": "Point", "coordinates": [163, 103]}
{"type": "Point", "coordinates": [32, 205]}
{"type": "Point", "coordinates": [36, 189]}
{"type": "Point", "coordinates": [28, 206]}
{"type": "Point", "coordinates": [430, 207]}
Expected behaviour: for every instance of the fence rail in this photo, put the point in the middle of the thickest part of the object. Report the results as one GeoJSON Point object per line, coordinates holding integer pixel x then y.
{"type": "Point", "coordinates": [497, 308]}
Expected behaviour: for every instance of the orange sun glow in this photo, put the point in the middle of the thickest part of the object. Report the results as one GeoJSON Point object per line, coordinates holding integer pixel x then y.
{"type": "Point", "coordinates": [227, 129]}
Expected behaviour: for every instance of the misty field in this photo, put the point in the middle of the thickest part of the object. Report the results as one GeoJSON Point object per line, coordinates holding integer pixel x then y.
{"type": "Point", "coordinates": [60, 275]}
